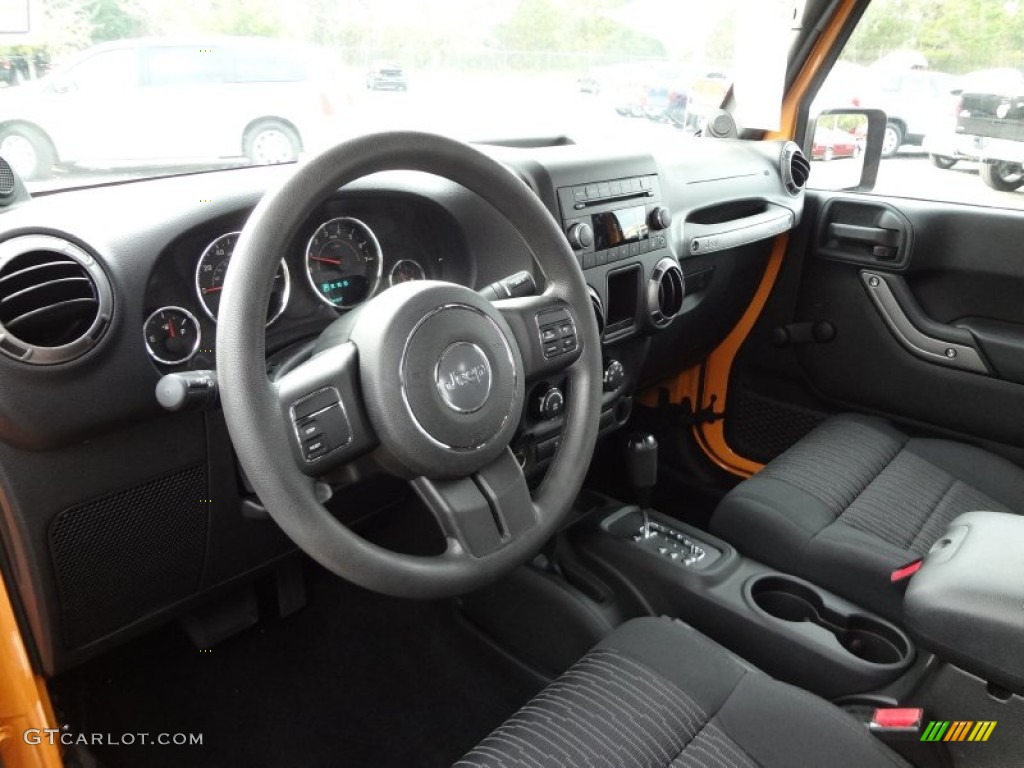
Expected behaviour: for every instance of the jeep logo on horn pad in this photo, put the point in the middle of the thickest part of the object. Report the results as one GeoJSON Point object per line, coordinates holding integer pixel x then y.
{"type": "Point", "coordinates": [463, 377]}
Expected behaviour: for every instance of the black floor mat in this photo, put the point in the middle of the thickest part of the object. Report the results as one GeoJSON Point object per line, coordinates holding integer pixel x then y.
{"type": "Point", "coordinates": [354, 679]}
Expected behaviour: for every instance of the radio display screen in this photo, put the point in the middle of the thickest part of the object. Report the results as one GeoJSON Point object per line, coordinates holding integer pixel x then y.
{"type": "Point", "coordinates": [613, 228]}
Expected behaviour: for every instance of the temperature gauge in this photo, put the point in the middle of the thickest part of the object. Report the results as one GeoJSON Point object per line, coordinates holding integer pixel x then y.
{"type": "Point", "coordinates": [406, 270]}
{"type": "Point", "coordinates": [171, 335]}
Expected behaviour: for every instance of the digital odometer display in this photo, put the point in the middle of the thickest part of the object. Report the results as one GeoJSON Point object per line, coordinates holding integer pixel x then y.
{"type": "Point", "coordinates": [343, 262]}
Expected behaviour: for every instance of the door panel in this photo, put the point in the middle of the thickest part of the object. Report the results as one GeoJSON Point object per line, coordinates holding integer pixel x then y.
{"type": "Point", "coordinates": [925, 300]}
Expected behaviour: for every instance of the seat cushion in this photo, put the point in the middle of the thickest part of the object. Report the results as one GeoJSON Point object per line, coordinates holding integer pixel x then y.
{"type": "Point", "coordinates": [658, 693]}
{"type": "Point", "coordinates": [856, 499]}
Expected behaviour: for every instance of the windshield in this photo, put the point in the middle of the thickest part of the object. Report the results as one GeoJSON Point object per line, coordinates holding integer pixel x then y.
{"type": "Point", "coordinates": [112, 89]}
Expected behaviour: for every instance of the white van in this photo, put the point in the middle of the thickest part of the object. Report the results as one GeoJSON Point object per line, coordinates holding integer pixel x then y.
{"type": "Point", "coordinates": [157, 99]}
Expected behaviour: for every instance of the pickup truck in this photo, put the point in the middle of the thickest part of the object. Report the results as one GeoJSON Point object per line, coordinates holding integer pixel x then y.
{"type": "Point", "coordinates": [991, 121]}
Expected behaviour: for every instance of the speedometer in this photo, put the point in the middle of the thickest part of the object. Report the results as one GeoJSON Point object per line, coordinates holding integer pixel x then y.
{"type": "Point", "coordinates": [212, 267]}
{"type": "Point", "coordinates": [343, 262]}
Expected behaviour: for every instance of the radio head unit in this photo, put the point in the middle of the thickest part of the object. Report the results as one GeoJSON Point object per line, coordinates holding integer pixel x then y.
{"type": "Point", "coordinates": [611, 221]}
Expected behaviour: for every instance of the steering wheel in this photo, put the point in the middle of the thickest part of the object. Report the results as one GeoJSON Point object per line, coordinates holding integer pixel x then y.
{"type": "Point", "coordinates": [428, 376]}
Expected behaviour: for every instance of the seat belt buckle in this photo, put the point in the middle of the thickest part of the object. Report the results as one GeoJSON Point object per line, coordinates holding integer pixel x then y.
{"type": "Point", "coordinates": [904, 572]}
{"type": "Point", "coordinates": [896, 721]}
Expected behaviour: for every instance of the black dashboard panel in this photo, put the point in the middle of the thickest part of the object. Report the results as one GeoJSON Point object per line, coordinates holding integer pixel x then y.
{"type": "Point", "coordinates": [86, 450]}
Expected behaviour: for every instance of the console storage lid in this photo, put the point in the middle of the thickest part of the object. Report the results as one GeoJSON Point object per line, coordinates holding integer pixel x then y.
{"type": "Point", "coordinates": [967, 602]}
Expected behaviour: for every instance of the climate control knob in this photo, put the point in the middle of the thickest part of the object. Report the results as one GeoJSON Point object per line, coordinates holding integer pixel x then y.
{"type": "Point", "coordinates": [614, 375]}
{"type": "Point", "coordinates": [551, 404]}
{"type": "Point", "coordinates": [660, 217]}
{"type": "Point", "coordinates": [580, 236]}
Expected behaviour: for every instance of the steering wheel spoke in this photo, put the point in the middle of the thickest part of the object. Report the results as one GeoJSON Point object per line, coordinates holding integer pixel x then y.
{"type": "Point", "coordinates": [484, 512]}
{"type": "Point", "coordinates": [323, 411]}
{"type": "Point", "coordinates": [546, 331]}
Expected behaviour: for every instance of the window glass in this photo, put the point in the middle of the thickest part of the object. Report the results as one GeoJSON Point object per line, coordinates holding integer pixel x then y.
{"type": "Point", "coordinates": [262, 64]}
{"type": "Point", "coordinates": [948, 74]}
{"type": "Point", "coordinates": [109, 71]}
{"type": "Point", "coordinates": [184, 65]}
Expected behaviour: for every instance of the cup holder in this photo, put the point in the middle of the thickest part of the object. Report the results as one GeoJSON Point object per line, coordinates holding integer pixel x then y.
{"type": "Point", "coordinates": [863, 636]}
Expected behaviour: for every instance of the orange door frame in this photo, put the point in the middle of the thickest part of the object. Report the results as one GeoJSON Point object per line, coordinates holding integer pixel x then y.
{"type": "Point", "coordinates": [24, 701]}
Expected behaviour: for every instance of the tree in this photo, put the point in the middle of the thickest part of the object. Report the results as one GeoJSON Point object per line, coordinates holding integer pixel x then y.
{"type": "Point", "coordinates": [115, 20]}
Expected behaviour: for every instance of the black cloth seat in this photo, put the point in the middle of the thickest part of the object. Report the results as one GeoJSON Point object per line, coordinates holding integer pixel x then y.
{"type": "Point", "coordinates": [857, 498]}
{"type": "Point", "coordinates": [658, 693]}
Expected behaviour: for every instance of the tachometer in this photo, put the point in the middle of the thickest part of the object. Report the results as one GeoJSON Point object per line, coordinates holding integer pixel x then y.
{"type": "Point", "coordinates": [212, 267]}
{"type": "Point", "coordinates": [343, 262]}
{"type": "Point", "coordinates": [406, 270]}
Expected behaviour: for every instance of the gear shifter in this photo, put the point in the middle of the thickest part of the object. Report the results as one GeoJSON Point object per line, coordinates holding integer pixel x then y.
{"type": "Point", "coordinates": [642, 467]}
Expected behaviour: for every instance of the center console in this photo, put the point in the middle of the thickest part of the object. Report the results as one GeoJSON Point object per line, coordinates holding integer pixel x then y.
{"type": "Point", "coordinates": [966, 602]}
{"type": "Point", "coordinates": [789, 627]}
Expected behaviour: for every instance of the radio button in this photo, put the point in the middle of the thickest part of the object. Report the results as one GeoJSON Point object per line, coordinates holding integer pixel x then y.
{"type": "Point", "coordinates": [593, 192]}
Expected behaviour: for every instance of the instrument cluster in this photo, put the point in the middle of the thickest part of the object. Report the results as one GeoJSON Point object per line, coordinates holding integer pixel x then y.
{"type": "Point", "coordinates": [340, 261]}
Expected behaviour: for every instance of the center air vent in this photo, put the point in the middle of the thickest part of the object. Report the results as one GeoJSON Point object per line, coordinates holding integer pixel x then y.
{"type": "Point", "coordinates": [55, 301]}
{"type": "Point", "coordinates": [665, 292]}
{"type": "Point", "coordinates": [796, 169]}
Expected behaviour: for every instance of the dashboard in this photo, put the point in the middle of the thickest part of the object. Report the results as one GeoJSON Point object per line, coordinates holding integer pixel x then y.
{"type": "Point", "coordinates": [119, 513]}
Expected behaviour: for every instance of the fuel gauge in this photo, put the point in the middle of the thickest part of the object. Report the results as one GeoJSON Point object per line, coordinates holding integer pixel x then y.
{"type": "Point", "coordinates": [171, 335]}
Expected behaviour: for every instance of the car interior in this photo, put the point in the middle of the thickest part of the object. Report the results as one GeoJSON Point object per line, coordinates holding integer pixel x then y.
{"type": "Point", "coordinates": [514, 453]}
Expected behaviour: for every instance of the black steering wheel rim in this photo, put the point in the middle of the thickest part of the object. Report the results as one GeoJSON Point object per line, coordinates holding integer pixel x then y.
{"type": "Point", "coordinates": [251, 402]}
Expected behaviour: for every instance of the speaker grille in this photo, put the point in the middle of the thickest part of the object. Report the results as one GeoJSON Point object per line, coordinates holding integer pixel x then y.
{"type": "Point", "coordinates": [6, 179]}
{"type": "Point", "coordinates": [125, 555]}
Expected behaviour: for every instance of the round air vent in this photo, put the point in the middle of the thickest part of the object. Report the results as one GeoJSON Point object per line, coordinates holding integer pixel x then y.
{"type": "Point", "coordinates": [598, 305]}
{"type": "Point", "coordinates": [796, 168]}
{"type": "Point", "coordinates": [665, 292]}
{"type": "Point", "coordinates": [55, 301]}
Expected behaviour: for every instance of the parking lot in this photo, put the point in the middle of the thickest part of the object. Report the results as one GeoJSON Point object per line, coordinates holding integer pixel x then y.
{"type": "Point", "coordinates": [487, 106]}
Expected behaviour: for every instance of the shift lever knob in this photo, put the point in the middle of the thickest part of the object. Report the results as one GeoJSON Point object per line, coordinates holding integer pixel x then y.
{"type": "Point", "coordinates": [642, 465]}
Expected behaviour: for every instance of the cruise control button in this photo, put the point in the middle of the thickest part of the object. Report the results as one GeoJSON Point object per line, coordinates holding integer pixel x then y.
{"type": "Point", "coordinates": [314, 448]}
{"type": "Point", "coordinates": [308, 428]}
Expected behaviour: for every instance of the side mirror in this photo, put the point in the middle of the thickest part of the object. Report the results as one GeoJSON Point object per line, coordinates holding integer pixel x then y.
{"type": "Point", "coordinates": [852, 136]}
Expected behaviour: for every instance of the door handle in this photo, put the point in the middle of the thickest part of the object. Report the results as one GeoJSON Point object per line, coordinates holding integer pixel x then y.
{"type": "Point", "coordinates": [921, 336]}
{"type": "Point", "coordinates": [871, 235]}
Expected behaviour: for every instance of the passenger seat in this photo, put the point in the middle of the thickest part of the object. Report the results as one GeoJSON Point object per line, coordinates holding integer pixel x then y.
{"type": "Point", "coordinates": [855, 499]}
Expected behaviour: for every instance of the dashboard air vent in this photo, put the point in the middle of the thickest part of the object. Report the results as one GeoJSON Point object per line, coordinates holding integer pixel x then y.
{"type": "Point", "coordinates": [55, 300]}
{"type": "Point", "coordinates": [665, 293]}
{"type": "Point", "coordinates": [796, 168]}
